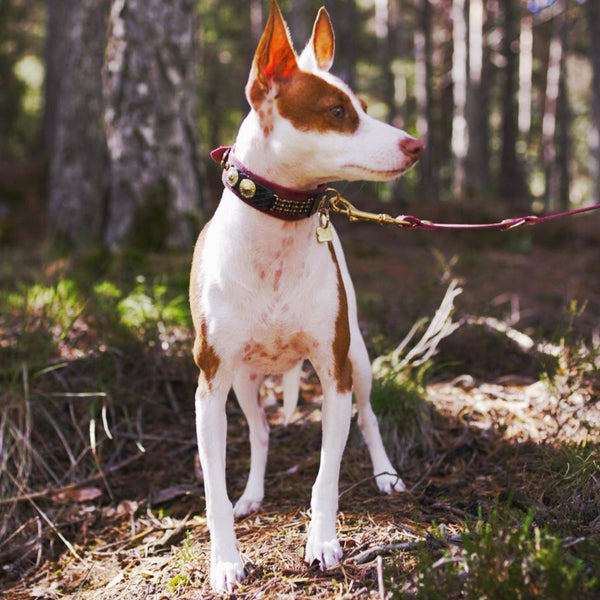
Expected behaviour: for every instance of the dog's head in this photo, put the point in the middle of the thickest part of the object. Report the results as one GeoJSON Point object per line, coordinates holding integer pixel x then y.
{"type": "Point", "coordinates": [311, 119]}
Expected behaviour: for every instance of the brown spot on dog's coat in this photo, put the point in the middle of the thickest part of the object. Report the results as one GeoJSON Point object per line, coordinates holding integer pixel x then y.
{"type": "Point", "coordinates": [277, 355]}
{"type": "Point", "coordinates": [341, 340]}
{"type": "Point", "coordinates": [205, 356]}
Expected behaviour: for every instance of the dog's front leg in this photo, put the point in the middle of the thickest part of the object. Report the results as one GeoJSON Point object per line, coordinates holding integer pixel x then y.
{"type": "Point", "coordinates": [322, 544]}
{"type": "Point", "coordinates": [226, 567]}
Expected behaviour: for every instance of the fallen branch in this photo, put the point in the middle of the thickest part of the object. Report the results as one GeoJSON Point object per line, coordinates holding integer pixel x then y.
{"type": "Point", "coordinates": [369, 554]}
{"type": "Point", "coordinates": [440, 327]}
{"type": "Point", "coordinates": [525, 342]}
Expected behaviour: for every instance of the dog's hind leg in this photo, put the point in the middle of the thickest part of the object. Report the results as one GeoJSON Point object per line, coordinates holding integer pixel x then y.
{"type": "Point", "coordinates": [245, 386]}
{"type": "Point", "coordinates": [387, 479]}
{"type": "Point", "coordinates": [291, 386]}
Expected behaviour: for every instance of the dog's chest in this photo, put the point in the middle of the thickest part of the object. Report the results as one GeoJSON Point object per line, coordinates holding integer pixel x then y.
{"type": "Point", "coordinates": [271, 286]}
{"type": "Point", "coordinates": [280, 327]}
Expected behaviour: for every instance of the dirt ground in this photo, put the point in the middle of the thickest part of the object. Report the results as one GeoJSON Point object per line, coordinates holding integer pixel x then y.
{"type": "Point", "coordinates": [138, 531]}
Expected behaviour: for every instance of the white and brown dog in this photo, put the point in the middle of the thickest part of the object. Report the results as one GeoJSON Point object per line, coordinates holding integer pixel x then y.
{"type": "Point", "coordinates": [266, 294]}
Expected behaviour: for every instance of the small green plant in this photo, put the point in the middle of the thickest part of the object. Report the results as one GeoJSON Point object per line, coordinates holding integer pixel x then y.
{"type": "Point", "coordinates": [35, 320]}
{"type": "Point", "coordinates": [501, 562]}
{"type": "Point", "coordinates": [149, 304]}
{"type": "Point", "coordinates": [572, 490]}
{"type": "Point", "coordinates": [398, 395]}
{"type": "Point", "coordinates": [178, 582]}
{"type": "Point", "coordinates": [404, 417]}
{"type": "Point", "coordinates": [574, 380]}
{"type": "Point", "coordinates": [185, 559]}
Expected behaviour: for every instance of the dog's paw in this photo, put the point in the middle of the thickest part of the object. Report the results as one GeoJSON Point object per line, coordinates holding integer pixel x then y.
{"type": "Point", "coordinates": [327, 552]}
{"type": "Point", "coordinates": [225, 575]}
{"type": "Point", "coordinates": [388, 483]}
{"type": "Point", "coordinates": [244, 506]}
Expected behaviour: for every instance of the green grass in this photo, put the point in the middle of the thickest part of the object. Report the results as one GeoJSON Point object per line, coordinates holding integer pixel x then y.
{"type": "Point", "coordinates": [500, 560]}
{"type": "Point", "coordinates": [89, 348]}
{"type": "Point", "coordinates": [404, 417]}
{"type": "Point", "coordinates": [69, 351]}
{"type": "Point", "coordinates": [185, 560]}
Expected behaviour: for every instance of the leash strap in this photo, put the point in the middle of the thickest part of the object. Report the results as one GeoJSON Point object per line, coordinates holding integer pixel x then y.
{"type": "Point", "coordinates": [335, 203]}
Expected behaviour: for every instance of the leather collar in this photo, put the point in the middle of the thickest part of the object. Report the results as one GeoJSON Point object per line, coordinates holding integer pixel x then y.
{"type": "Point", "coordinates": [266, 196]}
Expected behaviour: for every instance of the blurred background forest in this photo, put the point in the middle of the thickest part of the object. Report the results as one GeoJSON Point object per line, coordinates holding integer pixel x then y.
{"type": "Point", "coordinates": [108, 110]}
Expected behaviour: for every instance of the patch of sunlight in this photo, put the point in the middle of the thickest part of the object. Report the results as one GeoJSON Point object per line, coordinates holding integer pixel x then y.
{"type": "Point", "coordinates": [537, 184]}
{"type": "Point", "coordinates": [30, 70]}
{"type": "Point", "coordinates": [149, 303]}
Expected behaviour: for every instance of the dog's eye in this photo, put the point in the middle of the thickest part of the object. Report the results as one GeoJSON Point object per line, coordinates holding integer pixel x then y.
{"type": "Point", "coordinates": [337, 112]}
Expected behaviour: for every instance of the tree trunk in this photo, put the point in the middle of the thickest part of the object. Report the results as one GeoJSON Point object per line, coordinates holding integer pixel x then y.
{"type": "Point", "coordinates": [553, 153]}
{"type": "Point", "coordinates": [424, 97]}
{"type": "Point", "coordinates": [525, 76]}
{"type": "Point", "coordinates": [563, 134]}
{"type": "Point", "coordinates": [256, 20]}
{"type": "Point", "coordinates": [53, 56]}
{"type": "Point", "coordinates": [593, 13]}
{"type": "Point", "coordinates": [383, 33]}
{"type": "Point", "coordinates": [460, 134]}
{"type": "Point", "coordinates": [77, 149]}
{"type": "Point", "coordinates": [477, 109]}
{"type": "Point", "coordinates": [155, 195]}
{"type": "Point", "coordinates": [512, 180]}
{"type": "Point", "coordinates": [300, 19]}
{"type": "Point", "coordinates": [344, 14]}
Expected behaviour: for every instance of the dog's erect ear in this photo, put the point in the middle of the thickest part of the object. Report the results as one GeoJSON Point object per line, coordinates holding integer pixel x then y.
{"type": "Point", "coordinates": [274, 59]}
{"type": "Point", "coordinates": [318, 53]}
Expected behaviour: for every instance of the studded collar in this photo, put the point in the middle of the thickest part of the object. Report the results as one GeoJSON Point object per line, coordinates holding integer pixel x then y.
{"type": "Point", "coordinates": [266, 196]}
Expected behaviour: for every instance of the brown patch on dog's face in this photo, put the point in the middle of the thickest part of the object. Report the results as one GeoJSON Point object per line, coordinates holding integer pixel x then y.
{"type": "Point", "coordinates": [312, 104]}
{"type": "Point", "coordinates": [309, 102]}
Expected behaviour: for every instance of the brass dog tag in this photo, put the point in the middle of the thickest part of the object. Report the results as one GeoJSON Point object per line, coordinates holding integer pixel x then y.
{"type": "Point", "coordinates": [324, 234]}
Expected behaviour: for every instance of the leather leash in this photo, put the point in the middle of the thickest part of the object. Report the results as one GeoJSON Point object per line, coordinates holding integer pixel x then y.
{"type": "Point", "coordinates": [334, 202]}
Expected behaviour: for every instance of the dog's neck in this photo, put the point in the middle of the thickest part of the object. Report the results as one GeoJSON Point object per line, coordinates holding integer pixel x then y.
{"type": "Point", "coordinates": [266, 155]}
{"type": "Point", "coordinates": [263, 195]}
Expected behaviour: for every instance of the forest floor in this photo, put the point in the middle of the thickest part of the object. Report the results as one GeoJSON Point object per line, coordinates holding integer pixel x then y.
{"type": "Point", "coordinates": [101, 494]}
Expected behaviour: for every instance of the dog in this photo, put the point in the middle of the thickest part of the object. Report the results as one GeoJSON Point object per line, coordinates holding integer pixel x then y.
{"type": "Point", "coordinates": [269, 286]}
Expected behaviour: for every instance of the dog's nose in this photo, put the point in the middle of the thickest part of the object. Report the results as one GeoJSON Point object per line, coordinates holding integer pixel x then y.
{"type": "Point", "coordinates": [412, 147]}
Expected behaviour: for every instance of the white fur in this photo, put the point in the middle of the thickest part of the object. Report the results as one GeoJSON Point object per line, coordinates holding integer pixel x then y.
{"type": "Point", "coordinates": [264, 283]}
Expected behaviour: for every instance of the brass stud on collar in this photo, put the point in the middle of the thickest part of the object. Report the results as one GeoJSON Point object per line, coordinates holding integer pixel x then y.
{"type": "Point", "coordinates": [232, 175]}
{"type": "Point", "coordinates": [247, 188]}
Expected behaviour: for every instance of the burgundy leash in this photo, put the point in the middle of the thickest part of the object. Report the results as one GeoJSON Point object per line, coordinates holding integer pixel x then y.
{"type": "Point", "coordinates": [340, 205]}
